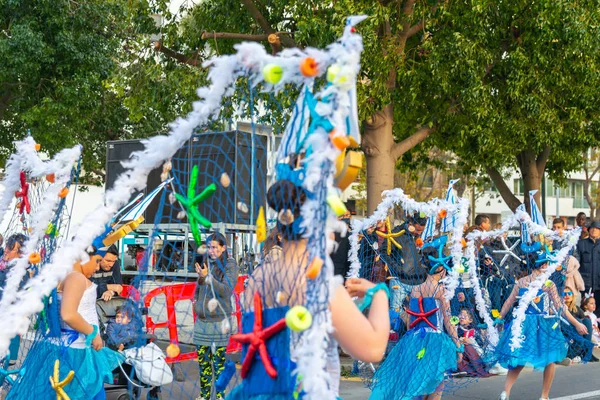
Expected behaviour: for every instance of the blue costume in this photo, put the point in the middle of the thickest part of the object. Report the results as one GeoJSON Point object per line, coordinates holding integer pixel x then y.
{"type": "Point", "coordinates": [258, 384]}
{"type": "Point", "coordinates": [418, 363]}
{"type": "Point", "coordinates": [543, 342]}
{"type": "Point", "coordinates": [92, 368]}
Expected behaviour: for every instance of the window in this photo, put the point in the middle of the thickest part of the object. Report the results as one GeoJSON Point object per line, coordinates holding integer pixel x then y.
{"type": "Point", "coordinates": [518, 187]}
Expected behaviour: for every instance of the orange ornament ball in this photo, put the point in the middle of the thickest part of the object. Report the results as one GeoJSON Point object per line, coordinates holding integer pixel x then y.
{"type": "Point", "coordinates": [173, 350]}
{"type": "Point", "coordinates": [309, 67]}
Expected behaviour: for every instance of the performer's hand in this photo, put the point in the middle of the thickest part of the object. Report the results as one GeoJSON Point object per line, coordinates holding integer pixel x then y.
{"type": "Point", "coordinates": [357, 287]}
{"type": "Point", "coordinates": [121, 347]}
{"type": "Point", "coordinates": [97, 343]}
{"type": "Point", "coordinates": [581, 329]}
{"type": "Point", "coordinates": [459, 357]}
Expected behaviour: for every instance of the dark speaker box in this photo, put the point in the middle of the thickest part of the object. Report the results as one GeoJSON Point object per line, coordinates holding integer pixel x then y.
{"type": "Point", "coordinates": [215, 153]}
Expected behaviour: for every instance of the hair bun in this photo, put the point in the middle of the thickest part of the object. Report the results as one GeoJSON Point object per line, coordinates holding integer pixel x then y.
{"type": "Point", "coordinates": [284, 194]}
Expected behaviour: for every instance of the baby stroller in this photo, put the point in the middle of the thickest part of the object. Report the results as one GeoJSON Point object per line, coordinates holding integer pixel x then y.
{"type": "Point", "coordinates": [127, 384]}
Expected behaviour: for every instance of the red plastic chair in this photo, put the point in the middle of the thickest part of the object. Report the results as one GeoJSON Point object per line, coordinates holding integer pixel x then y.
{"type": "Point", "coordinates": [232, 346]}
{"type": "Point", "coordinates": [173, 294]}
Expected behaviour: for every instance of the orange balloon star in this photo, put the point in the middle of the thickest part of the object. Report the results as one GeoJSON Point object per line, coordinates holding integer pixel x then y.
{"type": "Point", "coordinates": [390, 236]}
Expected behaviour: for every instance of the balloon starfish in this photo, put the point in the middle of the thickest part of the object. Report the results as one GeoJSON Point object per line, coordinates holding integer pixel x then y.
{"type": "Point", "coordinates": [256, 340]}
{"type": "Point", "coordinates": [24, 195]}
{"type": "Point", "coordinates": [191, 204]}
{"type": "Point", "coordinates": [440, 260]}
{"type": "Point", "coordinates": [422, 315]}
{"type": "Point", "coordinates": [390, 236]}
{"type": "Point", "coordinates": [508, 251]}
{"type": "Point", "coordinates": [59, 385]}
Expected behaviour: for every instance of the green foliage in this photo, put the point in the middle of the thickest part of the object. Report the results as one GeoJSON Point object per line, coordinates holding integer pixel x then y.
{"type": "Point", "coordinates": [56, 57]}
{"type": "Point", "coordinates": [517, 76]}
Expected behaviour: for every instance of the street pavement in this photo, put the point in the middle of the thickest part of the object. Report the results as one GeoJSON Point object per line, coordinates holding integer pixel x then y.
{"type": "Point", "coordinates": [575, 382]}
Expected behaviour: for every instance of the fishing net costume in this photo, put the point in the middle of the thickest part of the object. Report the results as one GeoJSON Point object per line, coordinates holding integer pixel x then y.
{"type": "Point", "coordinates": [36, 191]}
{"type": "Point", "coordinates": [417, 260]}
{"type": "Point", "coordinates": [185, 237]}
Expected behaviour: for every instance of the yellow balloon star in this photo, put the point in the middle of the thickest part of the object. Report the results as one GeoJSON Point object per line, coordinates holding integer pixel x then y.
{"type": "Point", "coordinates": [58, 385]}
{"type": "Point", "coordinates": [390, 236]}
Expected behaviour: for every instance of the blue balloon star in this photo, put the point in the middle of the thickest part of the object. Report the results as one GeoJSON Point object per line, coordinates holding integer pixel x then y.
{"type": "Point", "coordinates": [440, 260]}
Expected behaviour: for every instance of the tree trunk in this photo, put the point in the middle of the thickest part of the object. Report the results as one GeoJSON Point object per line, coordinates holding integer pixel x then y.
{"type": "Point", "coordinates": [377, 144]}
{"type": "Point", "coordinates": [532, 176]}
{"type": "Point", "coordinates": [507, 195]}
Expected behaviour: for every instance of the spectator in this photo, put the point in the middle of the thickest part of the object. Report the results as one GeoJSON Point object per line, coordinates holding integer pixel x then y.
{"type": "Point", "coordinates": [589, 306]}
{"type": "Point", "coordinates": [11, 252]}
{"type": "Point", "coordinates": [339, 257]}
{"type": "Point", "coordinates": [483, 222]}
{"type": "Point", "coordinates": [108, 278]}
{"type": "Point", "coordinates": [558, 226]}
{"type": "Point", "coordinates": [471, 363]}
{"type": "Point", "coordinates": [587, 253]}
{"type": "Point", "coordinates": [580, 221]}
{"type": "Point", "coordinates": [213, 307]}
{"type": "Point", "coordinates": [577, 347]}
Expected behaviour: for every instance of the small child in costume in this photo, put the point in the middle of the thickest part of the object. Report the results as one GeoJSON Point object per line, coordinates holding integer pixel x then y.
{"type": "Point", "coordinates": [418, 364]}
{"type": "Point", "coordinates": [589, 306]}
{"type": "Point", "coordinates": [471, 363]}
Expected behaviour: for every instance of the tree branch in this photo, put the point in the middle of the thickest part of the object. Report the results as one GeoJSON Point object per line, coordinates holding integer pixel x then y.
{"type": "Point", "coordinates": [542, 159]}
{"type": "Point", "coordinates": [265, 25]}
{"type": "Point", "coordinates": [402, 147]}
{"type": "Point", "coordinates": [182, 58]}
{"type": "Point", "coordinates": [415, 28]}
{"type": "Point", "coordinates": [236, 36]}
{"type": "Point", "coordinates": [507, 195]}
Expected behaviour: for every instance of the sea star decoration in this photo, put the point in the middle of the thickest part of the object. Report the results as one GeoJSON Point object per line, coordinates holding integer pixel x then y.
{"type": "Point", "coordinates": [59, 385]}
{"type": "Point", "coordinates": [256, 340]}
{"type": "Point", "coordinates": [508, 251]}
{"type": "Point", "coordinates": [24, 195]}
{"type": "Point", "coordinates": [5, 374]}
{"type": "Point", "coordinates": [390, 236]}
{"type": "Point", "coordinates": [316, 119]}
{"type": "Point", "coordinates": [440, 260]}
{"type": "Point", "coordinates": [191, 204]}
{"type": "Point", "coordinates": [422, 315]}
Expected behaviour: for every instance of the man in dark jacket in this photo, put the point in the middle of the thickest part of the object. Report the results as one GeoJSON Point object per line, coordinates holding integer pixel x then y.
{"type": "Point", "coordinates": [341, 263]}
{"type": "Point", "coordinates": [108, 278]}
{"type": "Point", "coordinates": [587, 253]}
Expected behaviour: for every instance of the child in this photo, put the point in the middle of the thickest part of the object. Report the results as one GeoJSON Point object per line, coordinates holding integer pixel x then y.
{"type": "Point", "coordinates": [589, 306]}
{"type": "Point", "coordinates": [123, 331]}
{"type": "Point", "coordinates": [126, 331]}
{"type": "Point", "coordinates": [471, 363]}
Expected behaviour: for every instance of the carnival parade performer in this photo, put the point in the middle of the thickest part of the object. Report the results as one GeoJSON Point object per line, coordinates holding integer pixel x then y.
{"type": "Point", "coordinates": [417, 365]}
{"type": "Point", "coordinates": [76, 346]}
{"type": "Point", "coordinates": [280, 284]}
{"type": "Point", "coordinates": [543, 343]}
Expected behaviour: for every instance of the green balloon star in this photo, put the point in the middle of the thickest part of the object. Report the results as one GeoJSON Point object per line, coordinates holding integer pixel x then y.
{"type": "Point", "coordinates": [191, 204]}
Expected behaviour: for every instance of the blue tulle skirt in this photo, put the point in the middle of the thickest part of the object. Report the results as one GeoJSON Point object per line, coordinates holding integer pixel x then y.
{"type": "Point", "coordinates": [543, 344]}
{"type": "Point", "coordinates": [92, 369]}
{"type": "Point", "coordinates": [416, 365]}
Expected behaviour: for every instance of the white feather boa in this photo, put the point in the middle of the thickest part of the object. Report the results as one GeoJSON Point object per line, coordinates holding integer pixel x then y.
{"type": "Point", "coordinates": [570, 238]}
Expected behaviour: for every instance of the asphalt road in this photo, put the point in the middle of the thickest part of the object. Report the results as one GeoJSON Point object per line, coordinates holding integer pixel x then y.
{"type": "Point", "coordinates": [571, 383]}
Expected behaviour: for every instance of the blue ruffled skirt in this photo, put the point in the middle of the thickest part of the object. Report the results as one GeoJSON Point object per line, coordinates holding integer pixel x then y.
{"type": "Point", "coordinates": [543, 343]}
{"type": "Point", "coordinates": [416, 365]}
{"type": "Point", "coordinates": [92, 369]}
